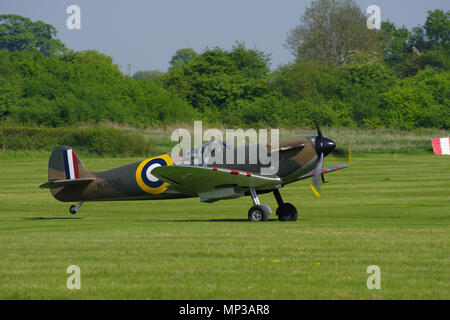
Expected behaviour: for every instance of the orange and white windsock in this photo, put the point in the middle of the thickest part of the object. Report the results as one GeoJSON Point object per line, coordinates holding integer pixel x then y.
{"type": "Point", "coordinates": [441, 146]}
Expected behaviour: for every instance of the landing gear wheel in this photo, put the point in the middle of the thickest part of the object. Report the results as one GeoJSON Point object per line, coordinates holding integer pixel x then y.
{"type": "Point", "coordinates": [73, 209]}
{"type": "Point", "coordinates": [269, 210]}
{"type": "Point", "coordinates": [258, 213]}
{"type": "Point", "coordinates": [287, 212]}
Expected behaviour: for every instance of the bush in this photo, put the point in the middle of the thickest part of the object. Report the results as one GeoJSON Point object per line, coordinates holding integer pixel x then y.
{"type": "Point", "coordinates": [419, 101]}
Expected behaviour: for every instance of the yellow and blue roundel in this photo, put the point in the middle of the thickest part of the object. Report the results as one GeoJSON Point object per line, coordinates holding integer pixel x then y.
{"type": "Point", "coordinates": [148, 182]}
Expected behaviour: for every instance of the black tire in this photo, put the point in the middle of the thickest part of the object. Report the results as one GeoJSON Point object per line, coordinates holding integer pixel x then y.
{"type": "Point", "coordinates": [258, 213]}
{"type": "Point", "coordinates": [287, 212]}
{"type": "Point", "coordinates": [269, 210]}
{"type": "Point", "coordinates": [73, 210]}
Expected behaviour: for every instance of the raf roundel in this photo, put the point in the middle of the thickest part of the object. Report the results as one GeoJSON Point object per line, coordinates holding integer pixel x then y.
{"type": "Point", "coordinates": [146, 180]}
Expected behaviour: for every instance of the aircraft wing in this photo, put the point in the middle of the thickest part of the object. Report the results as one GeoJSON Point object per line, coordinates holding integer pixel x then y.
{"type": "Point", "coordinates": [324, 170]}
{"type": "Point", "coordinates": [196, 180]}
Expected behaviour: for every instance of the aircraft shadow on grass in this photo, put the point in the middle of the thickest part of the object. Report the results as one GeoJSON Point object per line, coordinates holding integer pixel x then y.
{"type": "Point", "coordinates": [51, 218]}
{"type": "Point", "coordinates": [146, 220]}
{"type": "Point", "coordinates": [199, 220]}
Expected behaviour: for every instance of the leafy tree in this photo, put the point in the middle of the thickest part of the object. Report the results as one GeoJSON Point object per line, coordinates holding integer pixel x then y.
{"type": "Point", "coordinates": [306, 79]}
{"type": "Point", "coordinates": [395, 41]}
{"type": "Point", "coordinates": [398, 87]}
{"type": "Point", "coordinates": [437, 58]}
{"type": "Point", "coordinates": [148, 74]}
{"type": "Point", "coordinates": [80, 87]}
{"type": "Point", "coordinates": [251, 62]}
{"type": "Point", "coordinates": [20, 33]}
{"type": "Point", "coordinates": [182, 56]}
{"type": "Point", "coordinates": [330, 30]}
{"type": "Point", "coordinates": [424, 46]}
{"type": "Point", "coordinates": [418, 39]}
{"type": "Point", "coordinates": [362, 83]}
{"type": "Point", "coordinates": [437, 27]}
{"type": "Point", "coordinates": [216, 78]}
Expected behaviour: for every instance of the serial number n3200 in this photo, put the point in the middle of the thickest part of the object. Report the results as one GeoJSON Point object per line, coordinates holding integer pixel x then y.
{"type": "Point", "coordinates": [244, 309]}
{"type": "Point", "coordinates": [108, 184]}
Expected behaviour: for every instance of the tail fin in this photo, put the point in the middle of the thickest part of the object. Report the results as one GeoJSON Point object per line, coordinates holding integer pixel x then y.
{"type": "Point", "coordinates": [64, 164]}
{"type": "Point", "coordinates": [65, 170]}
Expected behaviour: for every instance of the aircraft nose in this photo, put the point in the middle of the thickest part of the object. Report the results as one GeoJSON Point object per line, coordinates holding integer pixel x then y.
{"type": "Point", "coordinates": [325, 145]}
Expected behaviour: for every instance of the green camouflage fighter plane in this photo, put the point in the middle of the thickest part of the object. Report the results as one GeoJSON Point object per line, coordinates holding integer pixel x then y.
{"type": "Point", "coordinates": [159, 178]}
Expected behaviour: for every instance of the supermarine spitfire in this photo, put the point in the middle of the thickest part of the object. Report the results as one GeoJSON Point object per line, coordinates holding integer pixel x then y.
{"type": "Point", "coordinates": [160, 178]}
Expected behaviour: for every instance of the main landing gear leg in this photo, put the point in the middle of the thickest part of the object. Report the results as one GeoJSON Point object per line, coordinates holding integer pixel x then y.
{"type": "Point", "coordinates": [260, 211]}
{"type": "Point", "coordinates": [74, 209]}
{"type": "Point", "coordinates": [285, 210]}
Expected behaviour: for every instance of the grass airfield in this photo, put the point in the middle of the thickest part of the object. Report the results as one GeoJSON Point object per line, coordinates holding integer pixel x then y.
{"type": "Point", "coordinates": [387, 210]}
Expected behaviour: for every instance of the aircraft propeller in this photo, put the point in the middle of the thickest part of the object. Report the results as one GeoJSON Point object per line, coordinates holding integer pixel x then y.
{"type": "Point", "coordinates": [324, 147]}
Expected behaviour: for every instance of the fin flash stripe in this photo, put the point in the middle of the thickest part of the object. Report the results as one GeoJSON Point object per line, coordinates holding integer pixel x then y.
{"type": "Point", "coordinates": [70, 164]}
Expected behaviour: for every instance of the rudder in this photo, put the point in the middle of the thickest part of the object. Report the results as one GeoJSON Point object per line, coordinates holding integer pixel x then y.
{"type": "Point", "coordinates": [64, 164]}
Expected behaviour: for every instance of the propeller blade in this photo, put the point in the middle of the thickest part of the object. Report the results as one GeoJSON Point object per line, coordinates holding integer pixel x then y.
{"type": "Point", "coordinates": [319, 133]}
{"type": "Point", "coordinates": [315, 191]}
{"type": "Point", "coordinates": [325, 146]}
{"type": "Point", "coordinates": [317, 176]}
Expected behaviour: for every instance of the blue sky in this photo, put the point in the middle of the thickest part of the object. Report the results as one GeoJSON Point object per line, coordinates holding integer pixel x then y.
{"type": "Point", "coordinates": [146, 33]}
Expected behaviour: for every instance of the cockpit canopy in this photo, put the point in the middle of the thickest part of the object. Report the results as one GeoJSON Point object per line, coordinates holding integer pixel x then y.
{"type": "Point", "coordinates": [202, 153]}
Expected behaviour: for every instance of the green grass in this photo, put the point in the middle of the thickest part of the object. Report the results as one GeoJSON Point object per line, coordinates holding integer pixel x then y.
{"type": "Point", "coordinates": [386, 210]}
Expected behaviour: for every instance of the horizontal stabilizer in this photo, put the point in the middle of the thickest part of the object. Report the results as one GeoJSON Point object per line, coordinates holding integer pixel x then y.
{"type": "Point", "coordinates": [63, 183]}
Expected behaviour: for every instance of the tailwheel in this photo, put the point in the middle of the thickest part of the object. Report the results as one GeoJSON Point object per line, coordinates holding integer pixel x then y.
{"type": "Point", "coordinates": [287, 212]}
{"type": "Point", "coordinates": [258, 213]}
{"type": "Point", "coordinates": [74, 209]}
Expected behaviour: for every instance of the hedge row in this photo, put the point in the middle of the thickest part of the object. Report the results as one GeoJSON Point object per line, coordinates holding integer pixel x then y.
{"type": "Point", "coordinates": [101, 141]}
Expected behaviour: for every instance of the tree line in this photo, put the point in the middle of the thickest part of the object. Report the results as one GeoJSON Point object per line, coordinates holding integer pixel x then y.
{"type": "Point", "coordinates": [343, 75]}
